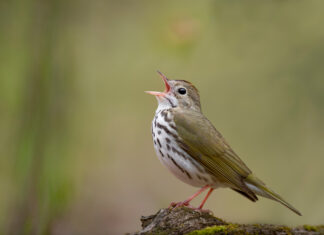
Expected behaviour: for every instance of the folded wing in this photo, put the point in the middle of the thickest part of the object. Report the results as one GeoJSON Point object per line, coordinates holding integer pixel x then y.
{"type": "Point", "coordinates": [207, 146]}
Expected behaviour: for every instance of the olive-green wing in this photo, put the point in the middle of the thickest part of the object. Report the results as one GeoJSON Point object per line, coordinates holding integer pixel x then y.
{"type": "Point", "coordinates": [208, 147]}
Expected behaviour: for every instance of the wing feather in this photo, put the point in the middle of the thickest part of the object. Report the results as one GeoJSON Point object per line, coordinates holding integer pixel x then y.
{"type": "Point", "coordinates": [208, 147]}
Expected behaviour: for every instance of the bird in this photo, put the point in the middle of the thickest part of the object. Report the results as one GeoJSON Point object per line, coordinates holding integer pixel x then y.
{"type": "Point", "coordinates": [189, 145]}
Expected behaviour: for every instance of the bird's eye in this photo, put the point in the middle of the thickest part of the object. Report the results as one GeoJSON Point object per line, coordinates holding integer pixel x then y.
{"type": "Point", "coordinates": [182, 91]}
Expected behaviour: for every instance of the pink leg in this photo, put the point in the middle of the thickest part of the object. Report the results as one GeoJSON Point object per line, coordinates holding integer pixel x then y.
{"type": "Point", "coordinates": [205, 199]}
{"type": "Point", "coordinates": [186, 202]}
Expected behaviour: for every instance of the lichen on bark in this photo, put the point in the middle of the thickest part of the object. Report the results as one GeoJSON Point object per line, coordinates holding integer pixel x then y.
{"type": "Point", "coordinates": [184, 220]}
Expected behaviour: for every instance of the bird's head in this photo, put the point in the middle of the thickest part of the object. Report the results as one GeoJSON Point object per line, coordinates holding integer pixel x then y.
{"type": "Point", "coordinates": [177, 93]}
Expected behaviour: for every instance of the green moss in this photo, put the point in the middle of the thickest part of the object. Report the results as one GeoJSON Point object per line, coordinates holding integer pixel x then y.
{"type": "Point", "coordinates": [286, 229]}
{"type": "Point", "coordinates": [310, 228]}
{"type": "Point", "coordinates": [214, 229]}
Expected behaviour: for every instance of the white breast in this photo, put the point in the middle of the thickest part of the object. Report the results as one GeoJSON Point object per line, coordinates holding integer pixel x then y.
{"type": "Point", "coordinates": [183, 166]}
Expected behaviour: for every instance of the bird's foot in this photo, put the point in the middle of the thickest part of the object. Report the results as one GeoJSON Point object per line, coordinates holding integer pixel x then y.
{"type": "Point", "coordinates": [174, 205]}
{"type": "Point", "coordinates": [179, 204]}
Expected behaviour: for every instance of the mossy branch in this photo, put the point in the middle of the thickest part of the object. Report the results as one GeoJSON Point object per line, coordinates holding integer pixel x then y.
{"type": "Point", "coordinates": [187, 221]}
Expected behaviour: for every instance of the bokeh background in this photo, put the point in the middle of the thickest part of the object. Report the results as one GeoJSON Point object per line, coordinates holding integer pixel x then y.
{"type": "Point", "coordinates": [75, 141]}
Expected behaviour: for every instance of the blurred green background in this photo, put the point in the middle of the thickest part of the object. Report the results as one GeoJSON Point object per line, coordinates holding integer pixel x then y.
{"type": "Point", "coordinates": [75, 141]}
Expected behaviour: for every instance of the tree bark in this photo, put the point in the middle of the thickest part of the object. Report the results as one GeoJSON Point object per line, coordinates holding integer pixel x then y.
{"type": "Point", "coordinates": [184, 220]}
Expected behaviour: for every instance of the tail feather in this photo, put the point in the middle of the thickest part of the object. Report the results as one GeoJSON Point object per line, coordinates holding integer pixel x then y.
{"type": "Point", "coordinates": [253, 199]}
{"type": "Point", "coordinates": [259, 188]}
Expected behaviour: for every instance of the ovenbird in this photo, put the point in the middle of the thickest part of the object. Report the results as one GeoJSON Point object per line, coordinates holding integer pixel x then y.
{"type": "Point", "coordinates": [188, 144]}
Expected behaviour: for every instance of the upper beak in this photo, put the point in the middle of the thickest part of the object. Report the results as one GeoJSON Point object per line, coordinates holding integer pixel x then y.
{"type": "Point", "coordinates": [167, 86]}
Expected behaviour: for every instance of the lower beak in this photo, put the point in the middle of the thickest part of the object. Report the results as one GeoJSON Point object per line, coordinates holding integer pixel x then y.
{"type": "Point", "coordinates": [156, 93]}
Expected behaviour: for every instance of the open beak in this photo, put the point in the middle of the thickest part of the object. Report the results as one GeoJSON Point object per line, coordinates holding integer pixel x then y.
{"type": "Point", "coordinates": [167, 86]}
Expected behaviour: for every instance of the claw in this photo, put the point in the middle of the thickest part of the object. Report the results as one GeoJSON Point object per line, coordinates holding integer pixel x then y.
{"type": "Point", "coordinates": [179, 204]}
{"type": "Point", "coordinates": [174, 205]}
{"type": "Point", "coordinates": [186, 202]}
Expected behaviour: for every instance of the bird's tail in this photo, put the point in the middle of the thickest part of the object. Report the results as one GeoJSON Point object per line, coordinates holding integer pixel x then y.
{"type": "Point", "coordinates": [259, 188]}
